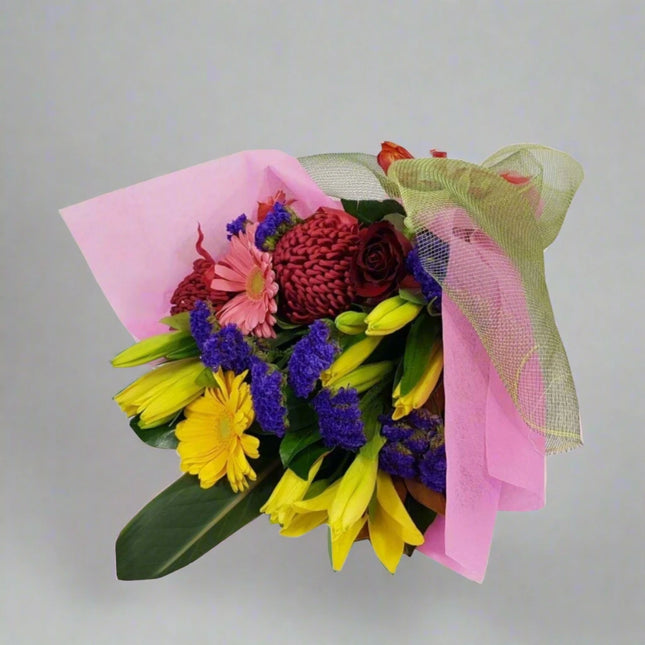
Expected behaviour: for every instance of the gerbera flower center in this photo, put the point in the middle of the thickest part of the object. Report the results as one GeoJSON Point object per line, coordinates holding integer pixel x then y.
{"type": "Point", "coordinates": [225, 424]}
{"type": "Point", "coordinates": [255, 283]}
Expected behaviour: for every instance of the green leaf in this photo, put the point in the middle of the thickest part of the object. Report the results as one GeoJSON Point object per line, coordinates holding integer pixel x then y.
{"type": "Point", "coordinates": [185, 521]}
{"type": "Point", "coordinates": [414, 296]}
{"type": "Point", "coordinates": [181, 321]}
{"type": "Point", "coordinates": [369, 211]}
{"type": "Point", "coordinates": [421, 339]}
{"type": "Point", "coordinates": [421, 515]}
{"type": "Point", "coordinates": [300, 413]}
{"type": "Point", "coordinates": [206, 378]}
{"type": "Point", "coordinates": [293, 442]}
{"type": "Point", "coordinates": [304, 460]}
{"type": "Point", "coordinates": [162, 436]}
{"type": "Point", "coordinates": [372, 406]}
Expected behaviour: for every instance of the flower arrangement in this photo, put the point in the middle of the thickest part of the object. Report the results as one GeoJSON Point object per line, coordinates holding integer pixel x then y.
{"type": "Point", "coordinates": [360, 342]}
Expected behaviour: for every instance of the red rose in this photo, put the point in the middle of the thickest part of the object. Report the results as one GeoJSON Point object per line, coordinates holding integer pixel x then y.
{"type": "Point", "coordinates": [379, 263]}
{"type": "Point", "coordinates": [391, 152]}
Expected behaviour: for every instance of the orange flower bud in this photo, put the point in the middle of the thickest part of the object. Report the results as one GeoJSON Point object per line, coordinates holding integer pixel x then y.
{"type": "Point", "coordinates": [391, 152]}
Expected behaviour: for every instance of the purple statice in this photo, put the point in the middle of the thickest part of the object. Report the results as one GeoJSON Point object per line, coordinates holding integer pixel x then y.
{"type": "Point", "coordinates": [267, 392]}
{"type": "Point", "coordinates": [396, 459]}
{"type": "Point", "coordinates": [430, 288]}
{"type": "Point", "coordinates": [276, 223]}
{"type": "Point", "coordinates": [432, 469]}
{"type": "Point", "coordinates": [227, 349]}
{"type": "Point", "coordinates": [237, 226]}
{"type": "Point", "coordinates": [339, 418]}
{"type": "Point", "coordinates": [414, 448]}
{"type": "Point", "coordinates": [311, 355]}
{"type": "Point", "coordinates": [200, 325]}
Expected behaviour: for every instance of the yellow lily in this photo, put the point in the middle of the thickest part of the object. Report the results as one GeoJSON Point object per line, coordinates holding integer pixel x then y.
{"type": "Point", "coordinates": [159, 394]}
{"type": "Point", "coordinates": [150, 349]}
{"type": "Point", "coordinates": [390, 316]}
{"type": "Point", "coordinates": [389, 527]}
{"type": "Point", "coordinates": [288, 490]}
{"type": "Point", "coordinates": [350, 359]}
{"type": "Point", "coordinates": [363, 377]}
{"type": "Point", "coordinates": [421, 392]}
{"type": "Point", "coordinates": [351, 322]}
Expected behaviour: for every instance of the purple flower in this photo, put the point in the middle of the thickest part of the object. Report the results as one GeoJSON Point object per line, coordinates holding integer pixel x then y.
{"type": "Point", "coordinates": [237, 226]}
{"type": "Point", "coordinates": [414, 448]}
{"type": "Point", "coordinates": [396, 459]}
{"type": "Point", "coordinates": [267, 392]}
{"type": "Point", "coordinates": [339, 418]}
{"type": "Point", "coordinates": [227, 349]}
{"type": "Point", "coordinates": [276, 223]}
{"type": "Point", "coordinates": [432, 469]}
{"type": "Point", "coordinates": [311, 355]}
{"type": "Point", "coordinates": [430, 288]}
{"type": "Point", "coordinates": [200, 326]}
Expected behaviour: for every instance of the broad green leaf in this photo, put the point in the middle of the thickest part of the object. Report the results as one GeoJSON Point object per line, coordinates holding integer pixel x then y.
{"type": "Point", "coordinates": [372, 405]}
{"type": "Point", "coordinates": [369, 211]}
{"type": "Point", "coordinates": [421, 515]}
{"type": "Point", "coordinates": [185, 521]}
{"type": "Point", "coordinates": [300, 413]}
{"type": "Point", "coordinates": [162, 436]}
{"type": "Point", "coordinates": [293, 442]}
{"type": "Point", "coordinates": [421, 339]}
{"type": "Point", "coordinates": [304, 460]}
{"type": "Point", "coordinates": [180, 322]}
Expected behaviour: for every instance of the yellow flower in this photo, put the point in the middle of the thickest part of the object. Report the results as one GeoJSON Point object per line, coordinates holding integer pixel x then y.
{"type": "Point", "coordinates": [390, 316]}
{"type": "Point", "coordinates": [350, 359]}
{"type": "Point", "coordinates": [364, 495]}
{"type": "Point", "coordinates": [212, 439]}
{"type": "Point", "coordinates": [288, 490]}
{"type": "Point", "coordinates": [159, 394]}
{"type": "Point", "coordinates": [149, 349]}
{"type": "Point", "coordinates": [364, 377]}
{"type": "Point", "coordinates": [421, 392]}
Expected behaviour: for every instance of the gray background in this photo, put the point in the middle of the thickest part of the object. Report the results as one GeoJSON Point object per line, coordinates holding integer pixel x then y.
{"type": "Point", "coordinates": [100, 95]}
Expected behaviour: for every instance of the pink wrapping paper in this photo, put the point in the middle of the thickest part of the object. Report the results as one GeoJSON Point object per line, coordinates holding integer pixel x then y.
{"type": "Point", "coordinates": [495, 461]}
{"type": "Point", "coordinates": [140, 241]}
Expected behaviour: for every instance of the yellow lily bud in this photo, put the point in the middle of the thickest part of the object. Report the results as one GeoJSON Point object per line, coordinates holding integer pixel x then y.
{"type": "Point", "coordinates": [350, 359]}
{"type": "Point", "coordinates": [150, 349]}
{"type": "Point", "coordinates": [363, 377]}
{"type": "Point", "coordinates": [420, 393]}
{"type": "Point", "coordinates": [391, 315]}
{"type": "Point", "coordinates": [356, 488]}
{"type": "Point", "coordinates": [162, 392]}
{"type": "Point", "coordinates": [351, 322]}
{"type": "Point", "coordinates": [288, 490]}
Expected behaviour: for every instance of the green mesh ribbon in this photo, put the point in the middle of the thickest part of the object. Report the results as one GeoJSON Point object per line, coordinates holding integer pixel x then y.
{"type": "Point", "coordinates": [481, 233]}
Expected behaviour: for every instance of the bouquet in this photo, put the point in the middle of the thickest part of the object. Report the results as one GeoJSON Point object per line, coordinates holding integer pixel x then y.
{"type": "Point", "coordinates": [353, 341]}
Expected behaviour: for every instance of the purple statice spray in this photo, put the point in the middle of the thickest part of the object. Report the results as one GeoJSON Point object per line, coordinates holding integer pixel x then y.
{"type": "Point", "coordinates": [311, 355]}
{"type": "Point", "coordinates": [200, 325]}
{"type": "Point", "coordinates": [415, 449]}
{"type": "Point", "coordinates": [430, 288]}
{"type": "Point", "coordinates": [339, 418]}
{"type": "Point", "coordinates": [267, 392]}
{"type": "Point", "coordinates": [276, 223]}
{"type": "Point", "coordinates": [227, 349]}
{"type": "Point", "coordinates": [237, 226]}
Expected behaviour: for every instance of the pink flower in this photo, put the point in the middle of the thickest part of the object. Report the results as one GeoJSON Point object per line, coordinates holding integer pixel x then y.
{"type": "Point", "coordinates": [248, 272]}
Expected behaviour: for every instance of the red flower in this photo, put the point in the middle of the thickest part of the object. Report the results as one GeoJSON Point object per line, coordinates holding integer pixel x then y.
{"type": "Point", "coordinates": [391, 152]}
{"type": "Point", "coordinates": [196, 285]}
{"type": "Point", "coordinates": [312, 262]}
{"type": "Point", "coordinates": [379, 264]}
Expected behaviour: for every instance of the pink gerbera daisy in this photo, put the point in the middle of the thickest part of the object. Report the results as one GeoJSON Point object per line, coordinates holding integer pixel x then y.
{"type": "Point", "coordinates": [248, 272]}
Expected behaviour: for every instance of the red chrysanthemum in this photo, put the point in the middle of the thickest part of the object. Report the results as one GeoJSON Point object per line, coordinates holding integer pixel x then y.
{"type": "Point", "coordinates": [312, 263]}
{"type": "Point", "coordinates": [196, 285]}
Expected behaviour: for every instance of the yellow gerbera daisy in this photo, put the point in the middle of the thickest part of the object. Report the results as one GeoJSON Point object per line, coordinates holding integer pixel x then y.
{"type": "Point", "coordinates": [212, 439]}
